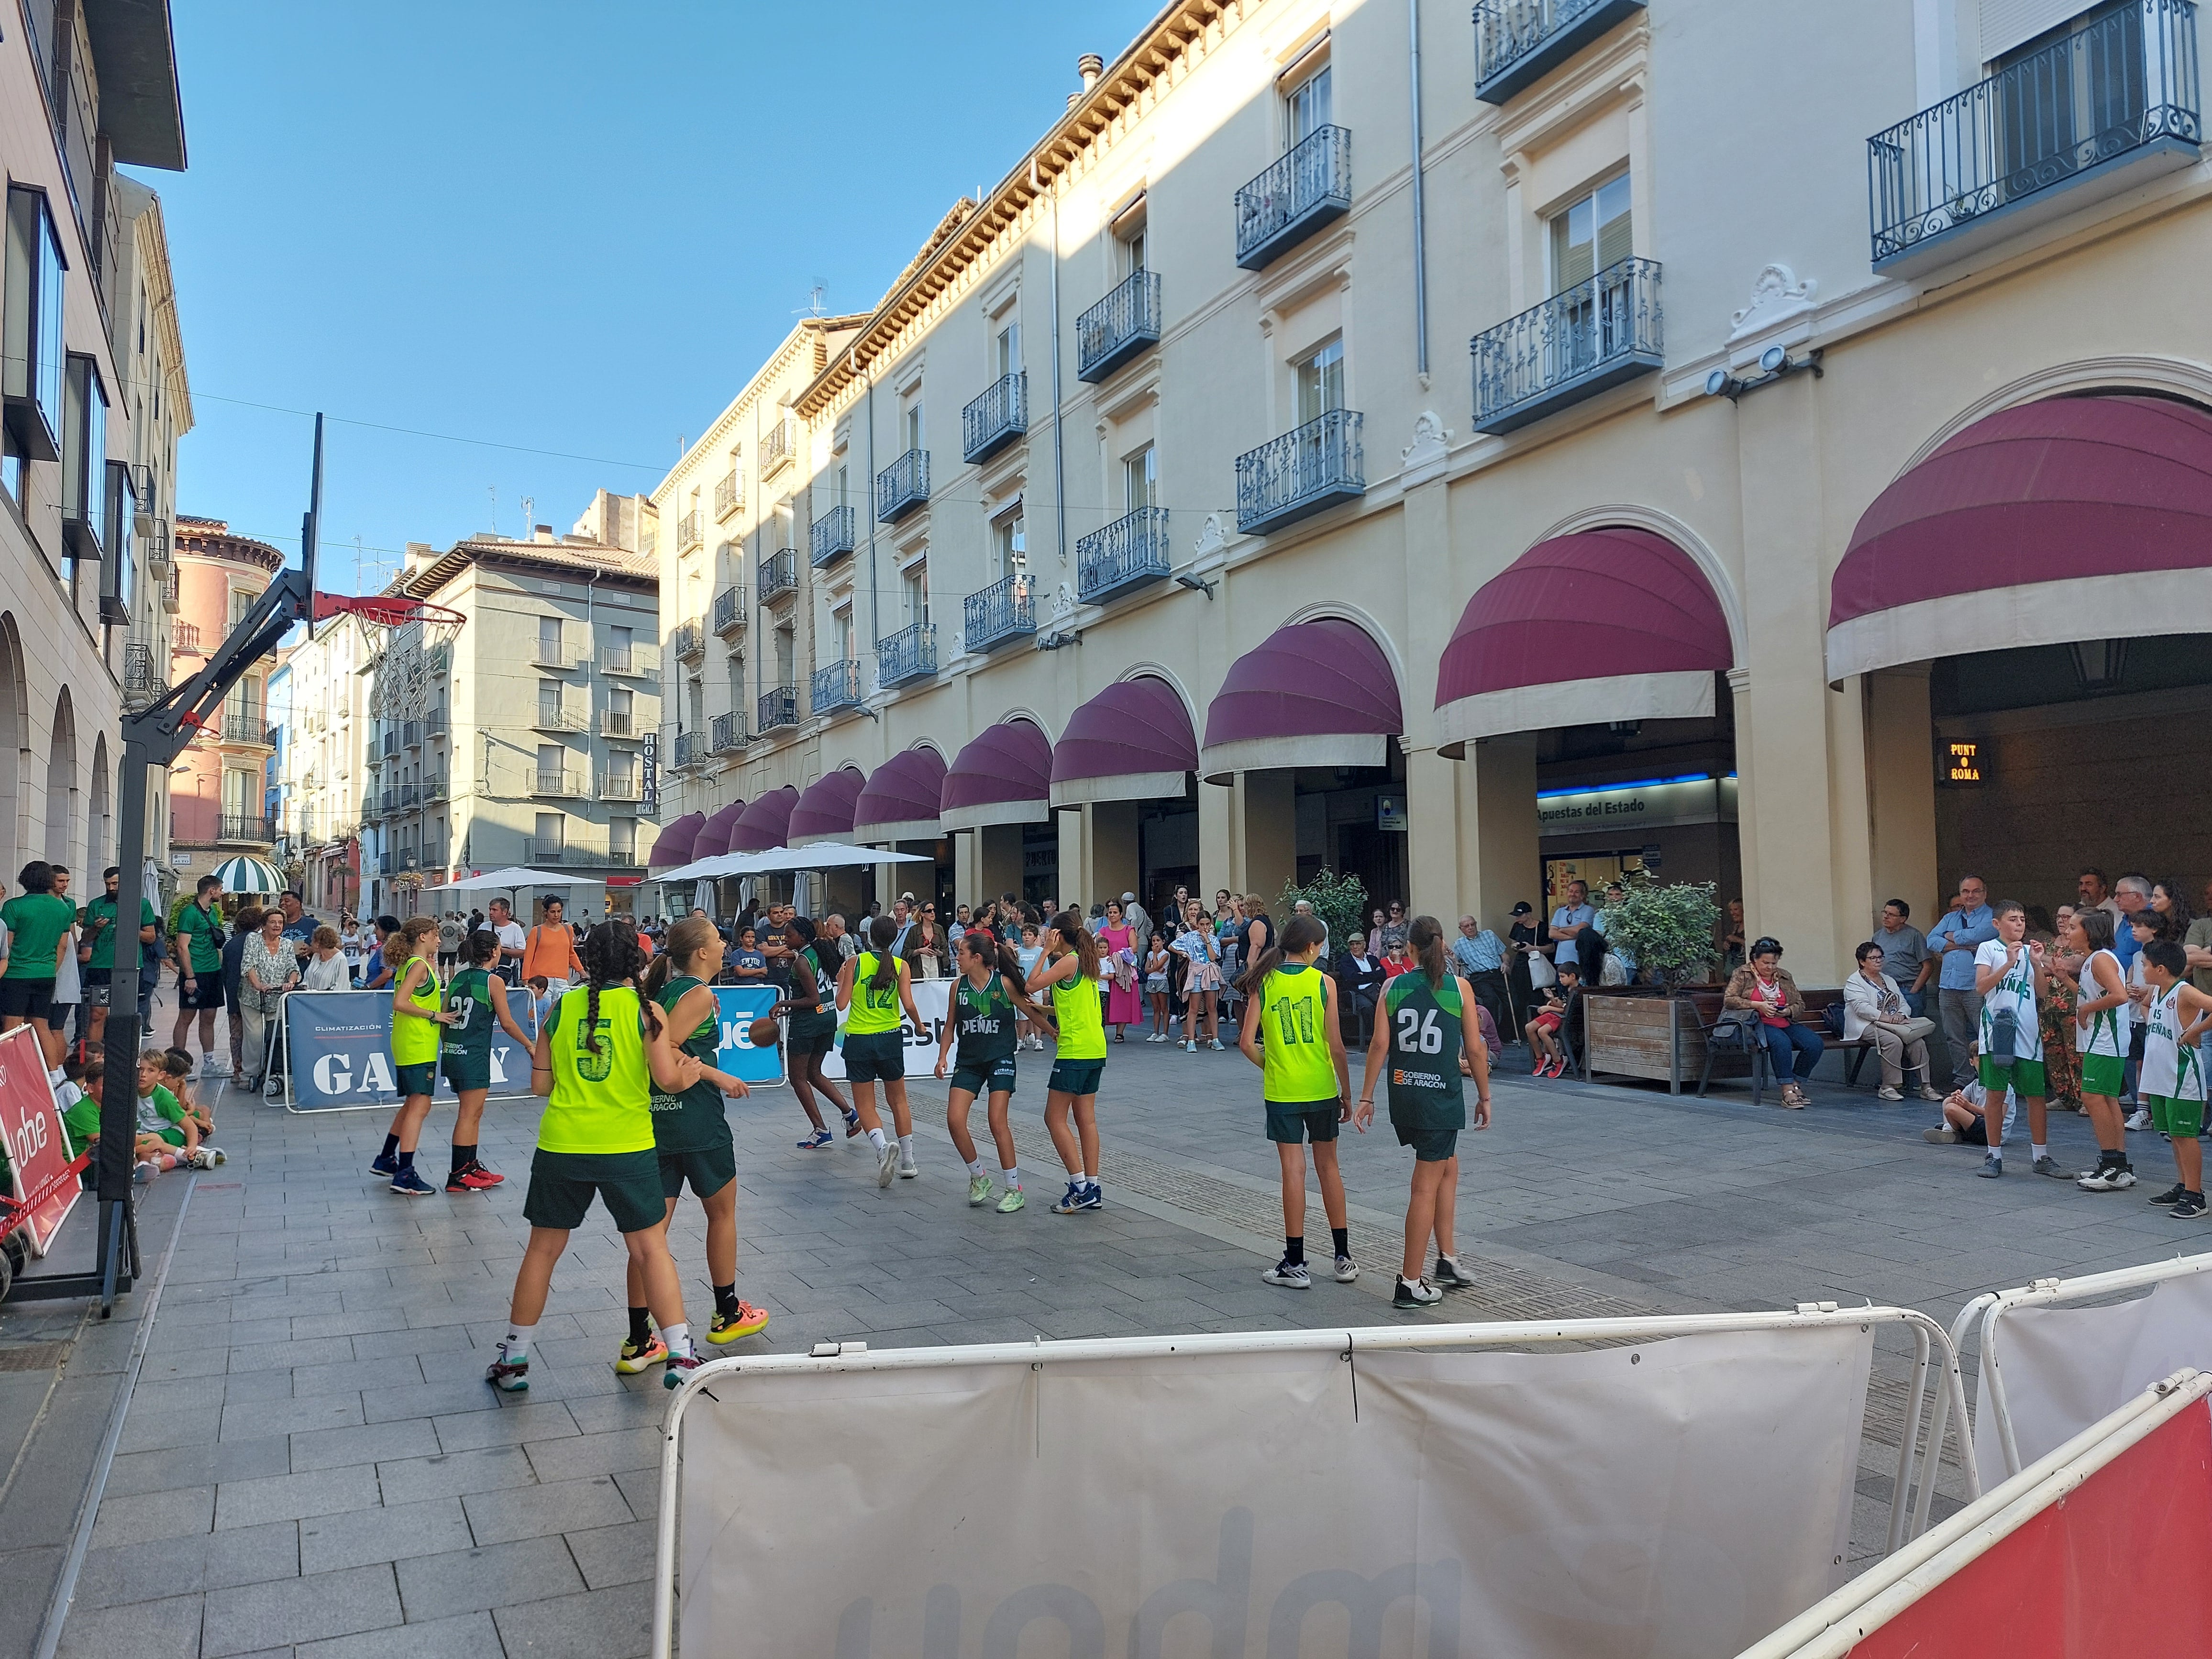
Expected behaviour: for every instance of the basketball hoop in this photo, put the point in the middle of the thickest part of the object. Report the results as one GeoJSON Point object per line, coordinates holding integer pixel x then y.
{"type": "Point", "coordinates": [393, 610]}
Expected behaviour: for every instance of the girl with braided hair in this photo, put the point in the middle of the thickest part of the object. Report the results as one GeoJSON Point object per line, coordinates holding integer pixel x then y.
{"type": "Point", "coordinates": [812, 1008]}
{"type": "Point", "coordinates": [1069, 971]}
{"type": "Point", "coordinates": [601, 1053]}
{"type": "Point", "coordinates": [984, 998]}
{"type": "Point", "coordinates": [872, 990]}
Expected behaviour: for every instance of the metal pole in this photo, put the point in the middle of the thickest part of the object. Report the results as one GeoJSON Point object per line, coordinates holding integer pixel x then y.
{"type": "Point", "coordinates": [1420, 241]}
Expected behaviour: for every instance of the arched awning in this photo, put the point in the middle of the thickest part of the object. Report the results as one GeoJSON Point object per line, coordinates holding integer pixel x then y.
{"type": "Point", "coordinates": [714, 833]}
{"type": "Point", "coordinates": [824, 812]}
{"type": "Point", "coordinates": [901, 800]}
{"type": "Point", "coordinates": [1625, 607]}
{"type": "Point", "coordinates": [672, 846]}
{"type": "Point", "coordinates": [1004, 776]}
{"type": "Point", "coordinates": [1133, 741]}
{"type": "Point", "coordinates": [2008, 534]}
{"type": "Point", "coordinates": [766, 823]}
{"type": "Point", "coordinates": [1312, 693]}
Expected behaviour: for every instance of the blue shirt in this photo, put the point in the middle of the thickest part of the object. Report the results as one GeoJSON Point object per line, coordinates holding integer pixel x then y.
{"type": "Point", "coordinates": [1483, 954]}
{"type": "Point", "coordinates": [1970, 928]}
{"type": "Point", "coordinates": [745, 957]}
{"type": "Point", "coordinates": [2124, 943]}
{"type": "Point", "coordinates": [1576, 916]}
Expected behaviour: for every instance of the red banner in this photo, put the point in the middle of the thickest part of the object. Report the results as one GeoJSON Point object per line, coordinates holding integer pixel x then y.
{"type": "Point", "coordinates": [31, 1124]}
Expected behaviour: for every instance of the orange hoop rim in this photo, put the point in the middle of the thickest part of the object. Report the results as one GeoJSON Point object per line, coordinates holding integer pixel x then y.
{"type": "Point", "coordinates": [387, 610]}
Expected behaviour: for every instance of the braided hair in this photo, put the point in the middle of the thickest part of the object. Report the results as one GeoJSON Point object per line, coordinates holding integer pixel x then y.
{"type": "Point", "coordinates": [881, 932]}
{"type": "Point", "coordinates": [611, 955]}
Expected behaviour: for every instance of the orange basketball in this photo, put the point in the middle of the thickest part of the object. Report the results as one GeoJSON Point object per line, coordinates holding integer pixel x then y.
{"type": "Point", "coordinates": [763, 1034]}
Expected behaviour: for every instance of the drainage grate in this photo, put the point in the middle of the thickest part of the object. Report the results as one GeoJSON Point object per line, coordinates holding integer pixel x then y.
{"type": "Point", "coordinates": [34, 1356]}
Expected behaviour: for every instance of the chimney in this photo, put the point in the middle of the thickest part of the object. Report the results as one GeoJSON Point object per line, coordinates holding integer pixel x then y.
{"type": "Point", "coordinates": [541, 532]}
{"type": "Point", "coordinates": [1090, 66]}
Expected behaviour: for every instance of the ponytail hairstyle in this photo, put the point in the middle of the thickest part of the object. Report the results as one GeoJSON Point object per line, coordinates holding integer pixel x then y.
{"type": "Point", "coordinates": [685, 939]}
{"type": "Point", "coordinates": [414, 928]}
{"type": "Point", "coordinates": [1301, 933]}
{"type": "Point", "coordinates": [1068, 924]}
{"type": "Point", "coordinates": [881, 931]}
{"type": "Point", "coordinates": [1425, 938]}
{"type": "Point", "coordinates": [611, 955]}
{"type": "Point", "coordinates": [479, 948]}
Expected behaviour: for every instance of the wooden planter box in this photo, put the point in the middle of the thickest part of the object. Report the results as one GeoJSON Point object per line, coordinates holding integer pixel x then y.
{"type": "Point", "coordinates": [1641, 1033]}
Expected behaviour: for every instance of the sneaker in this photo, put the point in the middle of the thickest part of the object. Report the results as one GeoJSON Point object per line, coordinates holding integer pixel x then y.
{"type": "Point", "coordinates": [508, 1379]}
{"type": "Point", "coordinates": [2139, 1119]}
{"type": "Point", "coordinates": [2189, 1207]}
{"type": "Point", "coordinates": [1290, 1275]}
{"type": "Point", "coordinates": [1926, 1093]}
{"type": "Point", "coordinates": [473, 1178]}
{"type": "Point", "coordinates": [852, 1123]}
{"type": "Point", "coordinates": [1888, 1093]}
{"type": "Point", "coordinates": [2170, 1197]}
{"type": "Point", "coordinates": [1942, 1135]}
{"type": "Point", "coordinates": [887, 1163]}
{"type": "Point", "coordinates": [2107, 1177]}
{"type": "Point", "coordinates": [1092, 1198]}
{"type": "Point", "coordinates": [143, 1171]}
{"type": "Point", "coordinates": [1418, 1294]}
{"type": "Point", "coordinates": [477, 1175]}
{"type": "Point", "coordinates": [456, 1181]}
{"type": "Point", "coordinates": [634, 1358]}
{"type": "Point", "coordinates": [1191, 1047]}
{"type": "Point", "coordinates": [1071, 1201]}
{"type": "Point", "coordinates": [819, 1138]}
{"type": "Point", "coordinates": [203, 1158]}
{"type": "Point", "coordinates": [979, 1191]}
{"type": "Point", "coordinates": [1447, 1275]}
{"type": "Point", "coordinates": [1216, 1046]}
{"type": "Point", "coordinates": [2048, 1165]}
{"type": "Point", "coordinates": [678, 1367]}
{"type": "Point", "coordinates": [1010, 1200]}
{"type": "Point", "coordinates": [748, 1320]}
{"type": "Point", "coordinates": [908, 1167]}
{"type": "Point", "coordinates": [1347, 1270]}
{"type": "Point", "coordinates": [410, 1184]}
{"type": "Point", "coordinates": [384, 1165]}
{"type": "Point", "coordinates": [1992, 1167]}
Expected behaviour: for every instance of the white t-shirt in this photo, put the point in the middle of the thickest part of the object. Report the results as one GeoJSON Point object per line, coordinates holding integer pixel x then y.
{"type": "Point", "coordinates": [2169, 1069]}
{"type": "Point", "coordinates": [67, 987]}
{"type": "Point", "coordinates": [320, 976]}
{"type": "Point", "coordinates": [511, 938]}
{"type": "Point", "coordinates": [2017, 990]}
{"type": "Point", "coordinates": [2107, 1031]}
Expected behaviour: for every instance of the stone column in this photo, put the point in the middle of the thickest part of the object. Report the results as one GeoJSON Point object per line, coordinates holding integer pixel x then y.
{"type": "Point", "coordinates": [1271, 832]}
{"type": "Point", "coordinates": [1509, 863]}
{"type": "Point", "coordinates": [1901, 743]}
{"type": "Point", "coordinates": [1074, 876]}
{"type": "Point", "coordinates": [1114, 847]}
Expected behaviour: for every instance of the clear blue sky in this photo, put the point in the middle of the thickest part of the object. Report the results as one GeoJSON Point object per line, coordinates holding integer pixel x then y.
{"type": "Point", "coordinates": [556, 226]}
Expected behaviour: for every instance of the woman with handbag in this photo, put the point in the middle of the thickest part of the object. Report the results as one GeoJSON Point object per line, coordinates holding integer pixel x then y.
{"type": "Point", "coordinates": [1874, 1008]}
{"type": "Point", "coordinates": [1764, 988]}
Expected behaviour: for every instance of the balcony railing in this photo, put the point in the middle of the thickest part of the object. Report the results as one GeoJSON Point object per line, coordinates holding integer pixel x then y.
{"type": "Point", "coordinates": [145, 681]}
{"type": "Point", "coordinates": [391, 741]}
{"type": "Point", "coordinates": [1290, 477]}
{"type": "Point", "coordinates": [729, 611]}
{"type": "Point", "coordinates": [1576, 343]}
{"type": "Point", "coordinates": [1001, 613]}
{"type": "Point", "coordinates": [2117, 102]}
{"type": "Point", "coordinates": [386, 863]}
{"type": "Point", "coordinates": [908, 655]}
{"type": "Point", "coordinates": [778, 574]}
{"type": "Point", "coordinates": [727, 733]}
{"type": "Point", "coordinates": [1518, 41]}
{"type": "Point", "coordinates": [622, 786]}
{"type": "Point", "coordinates": [687, 529]}
{"type": "Point", "coordinates": [248, 826]}
{"type": "Point", "coordinates": [689, 641]}
{"type": "Point", "coordinates": [902, 486]}
{"type": "Point", "coordinates": [173, 601]}
{"type": "Point", "coordinates": [776, 446]}
{"type": "Point", "coordinates": [438, 723]}
{"type": "Point", "coordinates": [561, 782]}
{"type": "Point", "coordinates": [832, 537]}
{"type": "Point", "coordinates": [1307, 188]}
{"type": "Point", "coordinates": [629, 661]}
{"type": "Point", "coordinates": [559, 717]}
{"type": "Point", "coordinates": [431, 791]}
{"type": "Point", "coordinates": [994, 420]}
{"type": "Point", "coordinates": [184, 636]}
{"type": "Point", "coordinates": [777, 707]}
{"type": "Point", "coordinates": [618, 723]}
{"type": "Point", "coordinates": [558, 852]}
{"type": "Point", "coordinates": [690, 748]}
{"type": "Point", "coordinates": [729, 492]}
{"type": "Point", "coordinates": [1126, 553]}
{"type": "Point", "coordinates": [410, 735]}
{"type": "Point", "coordinates": [836, 685]}
{"type": "Point", "coordinates": [1126, 322]}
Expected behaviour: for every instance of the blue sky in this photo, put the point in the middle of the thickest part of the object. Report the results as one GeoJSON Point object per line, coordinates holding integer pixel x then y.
{"type": "Point", "coordinates": [510, 222]}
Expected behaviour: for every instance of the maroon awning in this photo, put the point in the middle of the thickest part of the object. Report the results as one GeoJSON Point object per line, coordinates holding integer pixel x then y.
{"type": "Point", "coordinates": [2009, 533]}
{"type": "Point", "coordinates": [824, 812]}
{"type": "Point", "coordinates": [902, 798]}
{"type": "Point", "coordinates": [1637, 609]}
{"type": "Point", "coordinates": [1133, 741]}
{"type": "Point", "coordinates": [714, 833]}
{"type": "Point", "coordinates": [672, 846]}
{"type": "Point", "coordinates": [1004, 776]}
{"type": "Point", "coordinates": [766, 823]}
{"type": "Point", "coordinates": [1312, 693]}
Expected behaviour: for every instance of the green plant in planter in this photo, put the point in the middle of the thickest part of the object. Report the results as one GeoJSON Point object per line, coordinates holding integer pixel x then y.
{"type": "Point", "coordinates": [1339, 901]}
{"type": "Point", "coordinates": [1668, 928]}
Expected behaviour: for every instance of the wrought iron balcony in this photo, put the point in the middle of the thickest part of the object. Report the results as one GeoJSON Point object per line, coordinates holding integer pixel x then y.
{"type": "Point", "coordinates": [728, 735]}
{"type": "Point", "coordinates": [629, 661]}
{"type": "Point", "coordinates": [1576, 343]}
{"type": "Point", "coordinates": [172, 599]}
{"type": "Point", "coordinates": [145, 683]}
{"type": "Point", "coordinates": [995, 419]}
{"type": "Point", "coordinates": [559, 782]}
{"type": "Point", "coordinates": [433, 790]}
{"type": "Point", "coordinates": [1001, 613]}
{"type": "Point", "coordinates": [729, 492]}
{"type": "Point", "coordinates": [438, 723]}
{"type": "Point", "coordinates": [1125, 556]}
{"type": "Point", "coordinates": [557, 852]}
{"type": "Point", "coordinates": [907, 655]}
{"type": "Point", "coordinates": [689, 641]}
{"type": "Point", "coordinates": [1293, 477]}
{"type": "Point", "coordinates": [255, 826]}
{"type": "Point", "coordinates": [836, 685]}
{"type": "Point", "coordinates": [559, 717]}
{"type": "Point", "coordinates": [386, 863]}
{"type": "Point", "coordinates": [619, 724]}
{"type": "Point", "coordinates": [2086, 117]}
{"type": "Point", "coordinates": [831, 538]}
{"type": "Point", "coordinates": [777, 445]}
{"type": "Point", "coordinates": [1126, 322]}
{"type": "Point", "coordinates": [1517, 42]}
{"type": "Point", "coordinates": [902, 486]}
{"type": "Point", "coordinates": [777, 707]}
{"type": "Point", "coordinates": [687, 529]}
{"type": "Point", "coordinates": [690, 748]}
{"type": "Point", "coordinates": [410, 735]}
{"type": "Point", "coordinates": [1306, 189]}
{"type": "Point", "coordinates": [778, 574]}
{"type": "Point", "coordinates": [730, 610]}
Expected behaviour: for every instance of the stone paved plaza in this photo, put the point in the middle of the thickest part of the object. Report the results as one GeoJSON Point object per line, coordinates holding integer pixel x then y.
{"type": "Point", "coordinates": [311, 1461]}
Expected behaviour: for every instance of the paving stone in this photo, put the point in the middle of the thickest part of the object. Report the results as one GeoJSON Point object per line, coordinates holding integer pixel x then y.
{"type": "Point", "coordinates": [507, 1574]}
{"type": "Point", "coordinates": [608, 1624]}
{"type": "Point", "coordinates": [394, 1533]}
{"type": "Point", "coordinates": [532, 1511]}
{"type": "Point", "coordinates": [167, 1629]}
{"type": "Point", "coordinates": [204, 1464]}
{"type": "Point", "coordinates": [615, 1555]}
{"type": "Point", "coordinates": [374, 1442]}
{"type": "Point", "coordinates": [596, 1454]}
{"type": "Point", "coordinates": [473, 1431]}
{"type": "Point", "coordinates": [178, 1512]}
{"type": "Point", "coordinates": [451, 1474]}
{"type": "Point", "coordinates": [290, 1611]}
{"type": "Point", "coordinates": [466, 1636]}
{"type": "Point", "coordinates": [161, 1567]}
{"type": "Point", "coordinates": [296, 1496]}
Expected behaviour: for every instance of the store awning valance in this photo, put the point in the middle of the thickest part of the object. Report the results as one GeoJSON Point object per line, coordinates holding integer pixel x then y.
{"type": "Point", "coordinates": [672, 846]}
{"type": "Point", "coordinates": [715, 835]}
{"type": "Point", "coordinates": [824, 812]}
{"type": "Point", "coordinates": [1133, 741]}
{"type": "Point", "coordinates": [1312, 694]}
{"type": "Point", "coordinates": [766, 823]}
{"type": "Point", "coordinates": [902, 798]}
{"type": "Point", "coordinates": [1611, 624]}
{"type": "Point", "coordinates": [1004, 776]}
{"type": "Point", "coordinates": [2010, 532]}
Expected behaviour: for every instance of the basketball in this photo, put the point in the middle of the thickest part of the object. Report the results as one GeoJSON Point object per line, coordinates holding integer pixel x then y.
{"type": "Point", "coordinates": [762, 1034]}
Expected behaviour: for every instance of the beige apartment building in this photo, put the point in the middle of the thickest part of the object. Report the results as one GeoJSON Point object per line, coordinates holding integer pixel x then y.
{"type": "Point", "coordinates": [1769, 444]}
{"type": "Point", "coordinates": [324, 716]}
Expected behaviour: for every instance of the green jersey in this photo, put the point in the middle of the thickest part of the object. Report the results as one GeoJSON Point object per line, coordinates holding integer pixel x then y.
{"type": "Point", "coordinates": [807, 1022]}
{"type": "Point", "coordinates": [468, 999]}
{"type": "Point", "coordinates": [35, 922]}
{"type": "Point", "coordinates": [1297, 1066]}
{"type": "Point", "coordinates": [415, 1042]}
{"type": "Point", "coordinates": [695, 1119]}
{"type": "Point", "coordinates": [200, 930]}
{"type": "Point", "coordinates": [100, 929]}
{"type": "Point", "coordinates": [985, 1020]}
{"type": "Point", "coordinates": [1426, 1034]}
{"type": "Point", "coordinates": [81, 1121]}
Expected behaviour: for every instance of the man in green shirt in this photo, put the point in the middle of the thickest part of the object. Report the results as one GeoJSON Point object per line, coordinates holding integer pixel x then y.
{"type": "Point", "coordinates": [199, 966]}
{"type": "Point", "coordinates": [38, 926]}
{"type": "Point", "coordinates": [98, 951]}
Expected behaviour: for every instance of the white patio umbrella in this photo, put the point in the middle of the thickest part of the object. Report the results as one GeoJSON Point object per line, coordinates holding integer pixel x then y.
{"type": "Point", "coordinates": [514, 876]}
{"type": "Point", "coordinates": [248, 874]}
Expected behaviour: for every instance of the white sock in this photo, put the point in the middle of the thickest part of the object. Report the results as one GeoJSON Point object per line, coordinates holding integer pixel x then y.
{"type": "Point", "coordinates": [906, 1148]}
{"type": "Point", "coordinates": [1011, 1176]}
{"type": "Point", "coordinates": [975, 1166]}
{"type": "Point", "coordinates": [1089, 1179]}
{"type": "Point", "coordinates": [678, 1338]}
{"type": "Point", "coordinates": [518, 1343]}
{"type": "Point", "coordinates": [2038, 1151]}
{"type": "Point", "coordinates": [876, 1138]}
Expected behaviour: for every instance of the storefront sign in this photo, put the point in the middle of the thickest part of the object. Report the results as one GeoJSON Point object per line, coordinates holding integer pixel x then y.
{"type": "Point", "coordinates": [1391, 812]}
{"type": "Point", "coordinates": [1658, 801]}
{"type": "Point", "coordinates": [648, 803]}
{"type": "Point", "coordinates": [1962, 762]}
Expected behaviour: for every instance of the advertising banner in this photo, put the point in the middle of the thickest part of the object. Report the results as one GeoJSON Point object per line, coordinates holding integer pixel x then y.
{"type": "Point", "coordinates": [1672, 1499]}
{"type": "Point", "coordinates": [739, 1007]}
{"type": "Point", "coordinates": [31, 1125]}
{"type": "Point", "coordinates": [338, 1052]}
{"type": "Point", "coordinates": [931, 999]}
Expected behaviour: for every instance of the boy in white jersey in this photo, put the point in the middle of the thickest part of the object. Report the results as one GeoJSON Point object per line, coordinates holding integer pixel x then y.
{"type": "Point", "coordinates": [2172, 1079]}
{"type": "Point", "coordinates": [2008, 973]}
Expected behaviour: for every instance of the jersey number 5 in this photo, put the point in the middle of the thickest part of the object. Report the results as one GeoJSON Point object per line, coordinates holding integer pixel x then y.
{"type": "Point", "coordinates": [1418, 1032]}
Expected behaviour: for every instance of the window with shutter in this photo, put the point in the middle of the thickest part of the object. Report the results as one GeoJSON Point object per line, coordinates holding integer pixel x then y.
{"type": "Point", "coordinates": [1590, 234]}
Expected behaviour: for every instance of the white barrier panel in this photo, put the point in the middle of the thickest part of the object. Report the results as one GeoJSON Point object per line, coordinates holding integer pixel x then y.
{"type": "Point", "coordinates": [932, 1000]}
{"type": "Point", "coordinates": [1287, 1492]}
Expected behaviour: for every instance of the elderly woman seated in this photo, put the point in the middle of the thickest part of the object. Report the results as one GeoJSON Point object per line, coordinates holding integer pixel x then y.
{"type": "Point", "coordinates": [1874, 1008]}
{"type": "Point", "coordinates": [1763, 987]}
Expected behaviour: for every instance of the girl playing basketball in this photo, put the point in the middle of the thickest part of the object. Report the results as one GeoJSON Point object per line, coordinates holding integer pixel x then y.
{"type": "Point", "coordinates": [812, 1009]}
{"type": "Point", "coordinates": [417, 1012]}
{"type": "Point", "coordinates": [874, 987]}
{"type": "Point", "coordinates": [477, 998]}
{"type": "Point", "coordinates": [1307, 1083]}
{"type": "Point", "coordinates": [1069, 968]}
{"type": "Point", "coordinates": [984, 1001]}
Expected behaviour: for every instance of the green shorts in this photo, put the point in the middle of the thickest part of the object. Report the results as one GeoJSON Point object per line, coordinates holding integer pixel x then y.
{"type": "Point", "coordinates": [709, 1169]}
{"type": "Point", "coordinates": [1075, 1077]}
{"type": "Point", "coordinates": [875, 1057]}
{"type": "Point", "coordinates": [419, 1079]}
{"type": "Point", "coordinates": [1295, 1122]}
{"type": "Point", "coordinates": [561, 1185]}
{"type": "Point", "coordinates": [172, 1134]}
{"type": "Point", "coordinates": [2025, 1078]}
{"type": "Point", "coordinates": [2169, 1117]}
{"type": "Point", "coordinates": [2101, 1074]}
{"type": "Point", "coordinates": [466, 1071]}
{"type": "Point", "coordinates": [996, 1078]}
{"type": "Point", "coordinates": [1434, 1136]}
{"type": "Point", "coordinates": [811, 1035]}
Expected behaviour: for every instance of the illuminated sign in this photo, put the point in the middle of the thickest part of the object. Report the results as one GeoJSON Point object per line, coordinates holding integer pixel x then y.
{"type": "Point", "coordinates": [1962, 762]}
{"type": "Point", "coordinates": [1698, 798]}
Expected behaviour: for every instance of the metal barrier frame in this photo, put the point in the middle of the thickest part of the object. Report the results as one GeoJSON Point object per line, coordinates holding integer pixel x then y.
{"type": "Point", "coordinates": [1989, 1308]}
{"type": "Point", "coordinates": [1919, 1456]}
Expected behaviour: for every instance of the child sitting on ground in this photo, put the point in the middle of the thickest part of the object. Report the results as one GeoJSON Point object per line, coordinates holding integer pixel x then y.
{"type": "Point", "coordinates": [1543, 1027]}
{"type": "Point", "coordinates": [79, 1100]}
{"type": "Point", "coordinates": [166, 1136]}
{"type": "Point", "coordinates": [177, 1067]}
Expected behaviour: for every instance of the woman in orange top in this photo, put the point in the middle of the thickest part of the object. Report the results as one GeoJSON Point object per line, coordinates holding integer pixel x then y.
{"type": "Point", "coordinates": [550, 953]}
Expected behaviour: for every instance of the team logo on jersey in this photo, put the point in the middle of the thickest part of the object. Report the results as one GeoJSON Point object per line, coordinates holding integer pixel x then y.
{"type": "Point", "coordinates": [1415, 1079]}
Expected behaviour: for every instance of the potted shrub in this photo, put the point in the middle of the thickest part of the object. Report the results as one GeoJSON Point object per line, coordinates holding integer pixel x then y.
{"type": "Point", "coordinates": [1668, 928]}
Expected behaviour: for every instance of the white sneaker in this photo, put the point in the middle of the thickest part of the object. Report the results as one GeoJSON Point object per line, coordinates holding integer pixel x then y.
{"type": "Point", "coordinates": [908, 1169]}
{"type": "Point", "coordinates": [2139, 1119]}
{"type": "Point", "coordinates": [1190, 1048]}
{"type": "Point", "coordinates": [1216, 1046]}
{"type": "Point", "coordinates": [887, 1163]}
